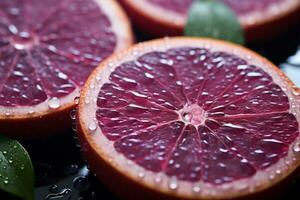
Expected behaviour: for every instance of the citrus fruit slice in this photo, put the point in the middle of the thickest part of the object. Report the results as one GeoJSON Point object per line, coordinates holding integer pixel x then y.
{"type": "Point", "coordinates": [259, 18]}
{"type": "Point", "coordinates": [47, 50]}
{"type": "Point", "coordinates": [190, 118]}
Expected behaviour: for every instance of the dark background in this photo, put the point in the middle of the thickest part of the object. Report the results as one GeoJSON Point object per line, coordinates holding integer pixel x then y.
{"type": "Point", "coordinates": [62, 174]}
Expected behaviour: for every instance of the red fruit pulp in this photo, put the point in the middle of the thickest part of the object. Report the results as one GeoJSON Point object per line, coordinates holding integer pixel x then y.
{"type": "Point", "coordinates": [196, 114]}
{"type": "Point", "coordinates": [240, 7]}
{"type": "Point", "coordinates": [49, 47]}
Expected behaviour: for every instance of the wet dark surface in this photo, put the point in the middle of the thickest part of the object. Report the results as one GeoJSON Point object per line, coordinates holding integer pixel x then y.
{"type": "Point", "coordinates": [61, 173]}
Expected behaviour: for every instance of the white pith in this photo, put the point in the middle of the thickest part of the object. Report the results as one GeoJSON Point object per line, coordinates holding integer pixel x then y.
{"type": "Point", "coordinates": [124, 39]}
{"type": "Point", "coordinates": [159, 181]}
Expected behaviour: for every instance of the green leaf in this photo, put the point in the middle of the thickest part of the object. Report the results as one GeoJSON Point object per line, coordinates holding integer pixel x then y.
{"type": "Point", "coordinates": [211, 18]}
{"type": "Point", "coordinates": [16, 171]}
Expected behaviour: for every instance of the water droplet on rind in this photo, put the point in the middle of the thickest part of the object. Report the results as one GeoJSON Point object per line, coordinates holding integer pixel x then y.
{"type": "Point", "coordinates": [54, 103]}
{"type": "Point", "coordinates": [271, 177]}
{"type": "Point", "coordinates": [30, 112]}
{"type": "Point", "coordinates": [141, 174]}
{"type": "Point", "coordinates": [92, 126]}
{"type": "Point", "coordinates": [196, 188]}
{"type": "Point", "coordinates": [87, 100]}
{"type": "Point", "coordinates": [296, 148]}
{"type": "Point", "coordinates": [76, 100]}
{"type": "Point", "coordinates": [158, 179]}
{"type": "Point", "coordinates": [173, 184]}
{"type": "Point", "coordinates": [296, 92]}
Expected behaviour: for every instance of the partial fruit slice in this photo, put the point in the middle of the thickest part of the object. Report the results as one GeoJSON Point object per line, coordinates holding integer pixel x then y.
{"type": "Point", "coordinates": [260, 18]}
{"type": "Point", "coordinates": [189, 118]}
{"type": "Point", "coordinates": [47, 50]}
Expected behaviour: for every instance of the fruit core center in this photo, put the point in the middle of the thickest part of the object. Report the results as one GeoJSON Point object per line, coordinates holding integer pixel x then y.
{"type": "Point", "coordinates": [193, 114]}
{"type": "Point", "coordinates": [24, 40]}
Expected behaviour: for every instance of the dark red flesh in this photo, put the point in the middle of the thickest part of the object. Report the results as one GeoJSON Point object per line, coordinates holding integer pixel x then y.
{"type": "Point", "coordinates": [49, 47]}
{"type": "Point", "coordinates": [240, 7]}
{"type": "Point", "coordinates": [196, 115]}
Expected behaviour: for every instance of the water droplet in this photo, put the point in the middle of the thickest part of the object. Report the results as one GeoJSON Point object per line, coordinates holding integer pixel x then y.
{"type": "Point", "coordinates": [98, 78]}
{"type": "Point", "coordinates": [13, 29]}
{"type": "Point", "coordinates": [296, 92]}
{"type": "Point", "coordinates": [73, 114]}
{"type": "Point", "coordinates": [30, 112]}
{"type": "Point", "coordinates": [141, 174]}
{"type": "Point", "coordinates": [52, 48]}
{"type": "Point", "coordinates": [76, 100]}
{"type": "Point", "coordinates": [110, 160]}
{"type": "Point", "coordinates": [72, 169]}
{"type": "Point", "coordinates": [54, 103]}
{"type": "Point", "coordinates": [296, 148]}
{"type": "Point", "coordinates": [81, 183]}
{"type": "Point", "coordinates": [254, 74]}
{"type": "Point", "coordinates": [196, 189]}
{"type": "Point", "coordinates": [179, 83]}
{"type": "Point", "coordinates": [54, 189]}
{"type": "Point", "coordinates": [7, 114]}
{"type": "Point", "coordinates": [187, 117]}
{"type": "Point", "coordinates": [87, 101]}
{"type": "Point", "coordinates": [62, 76]}
{"type": "Point", "coordinates": [173, 185]}
{"type": "Point", "coordinates": [278, 172]}
{"type": "Point", "coordinates": [92, 126]}
{"type": "Point", "coordinates": [5, 182]}
{"type": "Point", "coordinates": [242, 186]}
{"type": "Point", "coordinates": [74, 126]}
{"type": "Point", "coordinates": [158, 179]}
{"type": "Point", "coordinates": [110, 64]}
{"type": "Point", "coordinates": [287, 162]}
{"type": "Point", "coordinates": [128, 80]}
{"type": "Point", "coordinates": [148, 75]}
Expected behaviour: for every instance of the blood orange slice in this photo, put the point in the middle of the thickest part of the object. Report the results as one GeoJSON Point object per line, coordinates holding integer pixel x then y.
{"type": "Point", "coordinates": [190, 118]}
{"type": "Point", "coordinates": [47, 50]}
{"type": "Point", "coordinates": [259, 18]}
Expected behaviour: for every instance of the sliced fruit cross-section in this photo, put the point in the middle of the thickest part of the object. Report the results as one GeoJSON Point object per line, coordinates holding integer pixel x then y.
{"type": "Point", "coordinates": [259, 18]}
{"type": "Point", "coordinates": [190, 118]}
{"type": "Point", "coordinates": [47, 50]}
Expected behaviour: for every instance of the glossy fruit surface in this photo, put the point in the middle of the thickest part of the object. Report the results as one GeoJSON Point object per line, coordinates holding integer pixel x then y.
{"type": "Point", "coordinates": [190, 118]}
{"type": "Point", "coordinates": [260, 19]}
{"type": "Point", "coordinates": [47, 50]}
